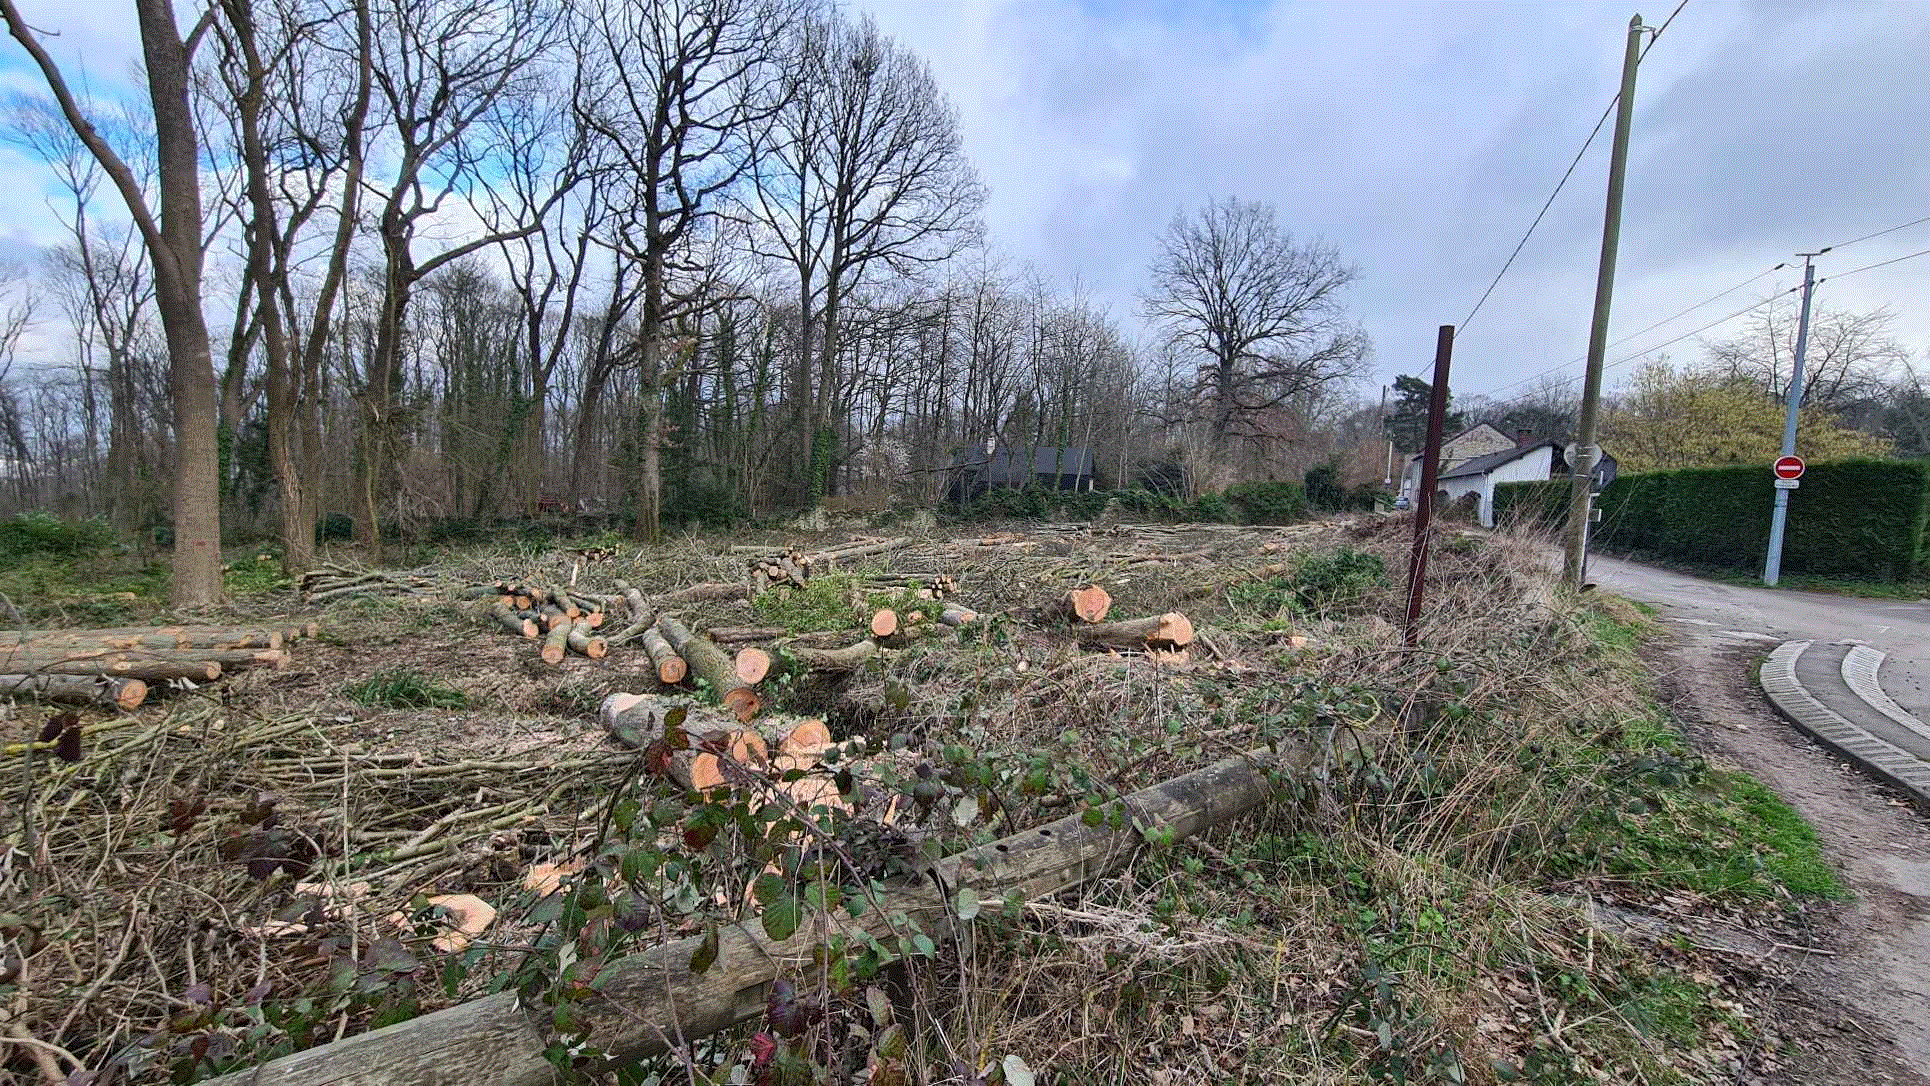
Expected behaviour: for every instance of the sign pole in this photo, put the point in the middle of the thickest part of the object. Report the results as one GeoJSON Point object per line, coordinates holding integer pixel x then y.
{"type": "Point", "coordinates": [1437, 402]}
{"type": "Point", "coordinates": [1772, 566]}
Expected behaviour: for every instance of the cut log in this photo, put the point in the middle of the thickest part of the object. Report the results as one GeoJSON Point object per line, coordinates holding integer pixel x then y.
{"type": "Point", "coordinates": [581, 643]}
{"type": "Point", "coordinates": [513, 622]}
{"type": "Point", "coordinates": [148, 670]}
{"type": "Point", "coordinates": [752, 664]}
{"type": "Point", "coordinates": [844, 659]}
{"type": "Point", "coordinates": [1087, 604]}
{"type": "Point", "coordinates": [709, 663]}
{"type": "Point", "coordinates": [637, 720]}
{"type": "Point", "coordinates": [884, 622]}
{"type": "Point", "coordinates": [671, 668]}
{"type": "Point", "coordinates": [734, 635]}
{"type": "Point", "coordinates": [28, 659]}
{"type": "Point", "coordinates": [163, 638]}
{"type": "Point", "coordinates": [954, 615]}
{"type": "Point", "coordinates": [808, 740]}
{"type": "Point", "coordinates": [594, 618]}
{"type": "Point", "coordinates": [1171, 630]}
{"type": "Point", "coordinates": [553, 617]}
{"type": "Point", "coordinates": [76, 689]}
{"type": "Point", "coordinates": [557, 644]}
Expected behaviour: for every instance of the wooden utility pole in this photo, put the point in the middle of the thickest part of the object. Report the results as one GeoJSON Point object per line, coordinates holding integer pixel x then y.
{"type": "Point", "coordinates": [1586, 452]}
{"type": "Point", "coordinates": [1437, 405]}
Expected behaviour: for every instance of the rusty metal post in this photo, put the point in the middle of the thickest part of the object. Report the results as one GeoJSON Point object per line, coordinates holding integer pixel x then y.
{"type": "Point", "coordinates": [1437, 402]}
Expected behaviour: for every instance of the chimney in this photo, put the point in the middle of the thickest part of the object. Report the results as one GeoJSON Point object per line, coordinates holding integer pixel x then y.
{"type": "Point", "coordinates": [1523, 436]}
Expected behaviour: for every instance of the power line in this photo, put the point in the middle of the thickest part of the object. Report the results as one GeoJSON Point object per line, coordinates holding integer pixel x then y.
{"type": "Point", "coordinates": [1879, 264]}
{"type": "Point", "coordinates": [1718, 296]}
{"type": "Point", "coordinates": [1880, 233]}
{"type": "Point", "coordinates": [1566, 174]}
{"type": "Point", "coordinates": [1647, 351]}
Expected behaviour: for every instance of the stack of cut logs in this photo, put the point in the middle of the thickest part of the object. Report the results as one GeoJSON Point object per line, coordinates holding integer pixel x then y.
{"type": "Point", "coordinates": [113, 667]}
{"type": "Point", "coordinates": [565, 621]}
{"type": "Point", "coordinates": [788, 567]}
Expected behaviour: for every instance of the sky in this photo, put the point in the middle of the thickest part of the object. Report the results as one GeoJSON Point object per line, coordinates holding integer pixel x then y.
{"type": "Point", "coordinates": [1421, 139]}
{"type": "Point", "coordinates": [1418, 138]}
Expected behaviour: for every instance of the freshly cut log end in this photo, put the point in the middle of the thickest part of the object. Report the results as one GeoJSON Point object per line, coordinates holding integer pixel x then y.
{"type": "Point", "coordinates": [1088, 604]}
{"type": "Point", "coordinates": [743, 701]}
{"type": "Point", "coordinates": [581, 643]}
{"type": "Point", "coordinates": [806, 741]}
{"type": "Point", "coordinates": [753, 664]}
{"type": "Point", "coordinates": [884, 622]}
{"type": "Point", "coordinates": [513, 622]}
{"type": "Point", "coordinates": [671, 668]}
{"type": "Point", "coordinates": [954, 615]}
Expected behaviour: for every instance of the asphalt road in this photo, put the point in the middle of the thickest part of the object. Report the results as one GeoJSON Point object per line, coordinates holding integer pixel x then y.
{"type": "Point", "coordinates": [1716, 615]}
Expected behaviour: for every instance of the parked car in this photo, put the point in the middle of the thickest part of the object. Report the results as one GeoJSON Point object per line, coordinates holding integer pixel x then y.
{"type": "Point", "coordinates": [1401, 502]}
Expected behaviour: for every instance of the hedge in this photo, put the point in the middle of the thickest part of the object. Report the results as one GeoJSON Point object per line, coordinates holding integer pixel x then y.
{"type": "Point", "coordinates": [1850, 518]}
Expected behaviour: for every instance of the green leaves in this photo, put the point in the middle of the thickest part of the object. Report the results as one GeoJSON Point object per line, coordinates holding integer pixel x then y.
{"type": "Point", "coordinates": [1017, 1071]}
{"type": "Point", "coordinates": [705, 955]}
{"type": "Point", "coordinates": [967, 904]}
{"type": "Point", "coordinates": [780, 917]}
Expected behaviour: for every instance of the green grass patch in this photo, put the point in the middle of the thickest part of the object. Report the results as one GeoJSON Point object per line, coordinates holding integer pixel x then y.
{"type": "Point", "coordinates": [102, 590]}
{"type": "Point", "coordinates": [255, 573]}
{"type": "Point", "coordinates": [833, 602]}
{"type": "Point", "coordinates": [402, 689]}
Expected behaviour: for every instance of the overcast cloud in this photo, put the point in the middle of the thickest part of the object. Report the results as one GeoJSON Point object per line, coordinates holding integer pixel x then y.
{"type": "Point", "coordinates": [1419, 138]}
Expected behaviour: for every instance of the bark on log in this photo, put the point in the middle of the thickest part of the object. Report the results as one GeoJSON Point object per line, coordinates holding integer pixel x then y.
{"type": "Point", "coordinates": [513, 622]}
{"type": "Point", "coordinates": [710, 664]}
{"type": "Point", "coordinates": [844, 659]}
{"type": "Point", "coordinates": [651, 1002]}
{"type": "Point", "coordinates": [581, 643]}
{"type": "Point", "coordinates": [76, 689]}
{"type": "Point", "coordinates": [150, 638]}
{"type": "Point", "coordinates": [1087, 604]}
{"type": "Point", "coordinates": [557, 644]}
{"type": "Point", "coordinates": [954, 615]}
{"type": "Point", "coordinates": [28, 658]}
{"type": "Point", "coordinates": [1171, 630]}
{"type": "Point", "coordinates": [728, 635]}
{"type": "Point", "coordinates": [152, 671]}
{"type": "Point", "coordinates": [671, 668]}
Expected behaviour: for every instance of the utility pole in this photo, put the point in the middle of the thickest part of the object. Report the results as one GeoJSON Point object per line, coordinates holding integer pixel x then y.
{"type": "Point", "coordinates": [1772, 566]}
{"type": "Point", "coordinates": [1437, 403]}
{"type": "Point", "coordinates": [1581, 489]}
{"type": "Point", "coordinates": [1387, 436]}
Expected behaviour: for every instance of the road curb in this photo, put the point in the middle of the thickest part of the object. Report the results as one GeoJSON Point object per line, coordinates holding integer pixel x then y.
{"type": "Point", "coordinates": [1794, 703]}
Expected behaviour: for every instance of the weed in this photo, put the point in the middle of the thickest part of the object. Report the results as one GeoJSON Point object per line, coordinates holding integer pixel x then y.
{"type": "Point", "coordinates": [255, 574]}
{"type": "Point", "coordinates": [402, 689]}
{"type": "Point", "coordinates": [43, 533]}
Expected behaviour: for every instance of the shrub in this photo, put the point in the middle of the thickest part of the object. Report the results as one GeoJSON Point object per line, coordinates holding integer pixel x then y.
{"type": "Point", "coordinates": [1268, 502]}
{"type": "Point", "coordinates": [1851, 518]}
{"type": "Point", "coordinates": [334, 526]}
{"type": "Point", "coordinates": [1338, 578]}
{"type": "Point", "coordinates": [1209, 509]}
{"type": "Point", "coordinates": [43, 533]}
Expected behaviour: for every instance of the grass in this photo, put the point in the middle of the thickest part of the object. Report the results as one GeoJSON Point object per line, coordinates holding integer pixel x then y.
{"type": "Point", "coordinates": [53, 589]}
{"type": "Point", "coordinates": [403, 689]}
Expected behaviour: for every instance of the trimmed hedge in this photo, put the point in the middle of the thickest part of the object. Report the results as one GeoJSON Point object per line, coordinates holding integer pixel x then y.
{"type": "Point", "coordinates": [1850, 518]}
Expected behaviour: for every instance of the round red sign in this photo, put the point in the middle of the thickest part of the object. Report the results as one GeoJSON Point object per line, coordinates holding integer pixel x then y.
{"type": "Point", "coordinates": [1789, 467]}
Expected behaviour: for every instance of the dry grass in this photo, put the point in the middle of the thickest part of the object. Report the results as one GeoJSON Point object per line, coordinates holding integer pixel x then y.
{"type": "Point", "coordinates": [1397, 910]}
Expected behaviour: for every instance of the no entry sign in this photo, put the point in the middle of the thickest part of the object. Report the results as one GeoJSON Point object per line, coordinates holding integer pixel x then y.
{"type": "Point", "coordinates": [1789, 467]}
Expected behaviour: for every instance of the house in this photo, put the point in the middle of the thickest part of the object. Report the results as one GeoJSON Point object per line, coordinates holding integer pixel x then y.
{"type": "Point", "coordinates": [1476, 441]}
{"type": "Point", "coordinates": [1529, 461]}
{"type": "Point", "coordinates": [1050, 467]}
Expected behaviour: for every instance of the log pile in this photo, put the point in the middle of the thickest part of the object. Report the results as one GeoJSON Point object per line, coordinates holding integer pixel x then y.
{"type": "Point", "coordinates": [116, 668]}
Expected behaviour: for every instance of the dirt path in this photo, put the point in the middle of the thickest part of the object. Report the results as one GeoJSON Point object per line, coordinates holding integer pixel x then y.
{"type": "Point", "coordinates": [1870, 1002]}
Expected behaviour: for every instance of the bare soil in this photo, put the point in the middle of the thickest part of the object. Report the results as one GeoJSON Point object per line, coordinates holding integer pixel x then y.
{"type": "Point", "coordinates": [1857, 993]}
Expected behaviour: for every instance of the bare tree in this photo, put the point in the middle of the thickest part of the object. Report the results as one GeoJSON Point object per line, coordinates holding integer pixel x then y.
{"type": "Point", "coordinates": [442, 68]}
{"type": "Point", "coordinates": [1847, 360]}
{"type": "Point", "coordinates": [866, 172]}
{"type": "Point", "coordinates": [679, 91]}
{"type": "Point", "coordinates": [174, 243]}
{"type": "Point", "coordinates": [1265, 310]}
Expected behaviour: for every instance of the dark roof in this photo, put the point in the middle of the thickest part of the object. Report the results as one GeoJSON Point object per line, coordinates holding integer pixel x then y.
{"type": "Point", "coordinates": [1481, 465]}
{"type": "Point", "coordinates": [1009, 465]}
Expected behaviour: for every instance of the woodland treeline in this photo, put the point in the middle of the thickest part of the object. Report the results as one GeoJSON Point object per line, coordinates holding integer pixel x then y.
{"type": "Point", "coordinates": [400, 261]}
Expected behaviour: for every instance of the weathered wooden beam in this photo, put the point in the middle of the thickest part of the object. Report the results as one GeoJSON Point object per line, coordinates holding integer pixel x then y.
{"type": "Point", "coordinates": [651, 1002]}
